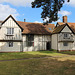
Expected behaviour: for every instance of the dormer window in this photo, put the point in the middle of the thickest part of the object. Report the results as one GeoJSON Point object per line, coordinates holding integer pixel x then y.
{"type": "Point", "coordinates": [10, 31]}
{"type": "Point", "coordinates": [50, 29]}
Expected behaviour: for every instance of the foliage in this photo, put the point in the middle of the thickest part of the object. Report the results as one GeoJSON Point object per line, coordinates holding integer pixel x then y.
{"type": "Point", "coordinates": [50, 8]}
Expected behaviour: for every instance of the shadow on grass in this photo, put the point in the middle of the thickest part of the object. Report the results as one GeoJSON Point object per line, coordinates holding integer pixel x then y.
{"type": "Point", "coordinates": [68, 52]}
{"type": "Point", "coordinates": [48, 51]}
{"type": "Point", "coordinates": [38, 67]}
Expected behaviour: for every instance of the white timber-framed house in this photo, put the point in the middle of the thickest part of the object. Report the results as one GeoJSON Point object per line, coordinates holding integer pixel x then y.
{"type": "Point", "coordinates": [18, 36]}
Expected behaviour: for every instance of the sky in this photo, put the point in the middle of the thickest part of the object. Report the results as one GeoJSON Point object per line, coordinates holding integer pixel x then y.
{"type": "Point", "coordinates": [21, 9]}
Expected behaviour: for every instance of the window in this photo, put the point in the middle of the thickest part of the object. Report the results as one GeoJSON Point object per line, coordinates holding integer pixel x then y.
{"type": "Point", "coordinates": [66, 35]}
{"type": "Point", "coordinates": [30, 40]}
{"type": "Point", "coordinates": [65, 44]}
{"type": "Point", "coordinates": [10, 30]}
{"type": "Point", "coordinates": [10, 44]}
{"type": "Point", "coordinates": [49, 28]}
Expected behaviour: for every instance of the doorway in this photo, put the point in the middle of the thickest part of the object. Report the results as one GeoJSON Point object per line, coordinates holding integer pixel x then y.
{"type": "Point", "coordinates": [48, 45]}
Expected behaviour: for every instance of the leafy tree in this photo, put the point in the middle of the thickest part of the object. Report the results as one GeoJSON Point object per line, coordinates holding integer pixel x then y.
{"type": "Point", "coordinates": [50, 8]}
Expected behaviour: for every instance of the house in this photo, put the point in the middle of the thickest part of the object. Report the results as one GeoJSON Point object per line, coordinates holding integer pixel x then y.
{"type": "Point", "coordinates": [63, 36]}
{"type": "Point", "coordinates": [17, 36]}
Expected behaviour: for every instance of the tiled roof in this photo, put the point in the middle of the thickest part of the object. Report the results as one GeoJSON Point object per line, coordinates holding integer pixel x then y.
{"type": "Point", "coordinates": [60, 23]}
{"type": "Point", "coordinates": [35, 28]}
{"type": "Point", "coordinates": [72, 25]}
{"type": "Point", "coordinates": [58, 29]}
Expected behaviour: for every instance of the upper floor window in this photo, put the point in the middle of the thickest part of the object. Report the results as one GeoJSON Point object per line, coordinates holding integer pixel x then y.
{"type": "Point", "coordinates": [66, 35]}
{"type": "Point", "coordinates": [10, 30]}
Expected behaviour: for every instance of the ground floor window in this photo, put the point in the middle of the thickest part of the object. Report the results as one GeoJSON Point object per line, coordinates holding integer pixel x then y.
{"type": "Point", "coordinates": [65, 43]}
{"type": "Point", "coordinates": [10, 44]}
{"type": "Point", "coordinates": [30, 40]}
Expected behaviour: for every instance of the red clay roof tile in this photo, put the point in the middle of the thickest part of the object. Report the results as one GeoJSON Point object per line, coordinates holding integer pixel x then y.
{"type": "Point", "coordinates": [35, 28]}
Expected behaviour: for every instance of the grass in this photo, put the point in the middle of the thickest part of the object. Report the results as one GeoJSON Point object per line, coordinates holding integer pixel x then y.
{"type": "Point", "coordinates": [8, 56]}
{"type": "Point", "coordinates": [33, 54]}
{"type": "Point", "coordinates": [44, 66]}
{"type": "Point", "coordinates": [69, 52]}
{"type": "Point", "coordinates": [38, 67]}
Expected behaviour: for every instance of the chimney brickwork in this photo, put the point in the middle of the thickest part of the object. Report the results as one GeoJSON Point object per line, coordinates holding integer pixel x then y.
{"type": "Point", "coordinates": [65, 19]}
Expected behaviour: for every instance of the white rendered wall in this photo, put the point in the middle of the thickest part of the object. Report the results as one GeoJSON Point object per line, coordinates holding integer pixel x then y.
{"type": "Point", "coordinates": [17, 46]}
{"type": "Point", "coordinates": [66, 29]}
{"type": "Point", "coordinates": [10, 24]}
{"type": "Point", "coordinates": [5, 48]}
{"type": "Point", "coordinates": [62, 47]}
{"type": "Point", "coordinates": [40, 42]}
{"type": "Point", "coordinates": [71, 45]}
{"type": "Point", "coordinates": [54, 41]}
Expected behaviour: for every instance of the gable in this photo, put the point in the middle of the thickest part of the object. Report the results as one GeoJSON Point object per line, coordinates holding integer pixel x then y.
{"type": "Point", "coordinates": [66, 29]}
{"type": "Point", "coordinates": [10, 22]}
{"type": "Point", "coordinates": [62, 28]}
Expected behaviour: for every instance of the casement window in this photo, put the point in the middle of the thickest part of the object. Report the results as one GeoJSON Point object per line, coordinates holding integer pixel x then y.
{"type": "Point", "coordinates": [30, 40]}
{"type": "Point", "coordinates": [10, 44]}
{"type": "Point", "coordinates": [66, 35]}
{"type": "Point", "coordinates": [10, 31]}
{"type": "Point", "coordinates": [65, 44]}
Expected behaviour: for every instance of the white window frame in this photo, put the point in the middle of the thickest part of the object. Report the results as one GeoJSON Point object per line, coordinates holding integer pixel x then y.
{"type": "Point", "coordinates": [10, 31]}
{"type": "Point", "coordinates": [66, 35]}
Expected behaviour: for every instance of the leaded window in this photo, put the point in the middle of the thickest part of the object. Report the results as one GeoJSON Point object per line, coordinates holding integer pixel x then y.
{"type": "Point", "coordinates": [30, 40]}
{"type": "Point", "coordinates": [10, 44]}
{"type": "Point", "coordinates": [10, 31]}
{"type": "Point", "coordinates": [65, 44]}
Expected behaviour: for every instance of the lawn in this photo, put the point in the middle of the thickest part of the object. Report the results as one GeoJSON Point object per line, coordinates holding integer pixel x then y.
{"type": "Point", "coordinates": [45, 66]}
{"type": "Point", "coordinates": [69, 52]}
{"type": "Point", "coordinates": [22, 55]}
{"type": "Point", "coordinates": [53, 65]}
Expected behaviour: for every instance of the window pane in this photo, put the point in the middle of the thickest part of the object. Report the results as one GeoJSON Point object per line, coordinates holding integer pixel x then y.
{"type": "Point", "coordinates": [66, 35]}
{"type": "Point", "coordinates": [65, 44]}
{"type": "Point", "coordinates": [8, 30]}
{"type": "Point", "coordinates": [10, 44]}
{"type": "Point", "coordinates": [30, 40]}
{"type": "Point", "coordinates": [12, 30]}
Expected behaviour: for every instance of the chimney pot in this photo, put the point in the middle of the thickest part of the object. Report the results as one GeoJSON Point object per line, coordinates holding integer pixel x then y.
{"type": "Point", "coordinates": [65, 19]}
{"type": "Point", "coordinates": [24, 20]}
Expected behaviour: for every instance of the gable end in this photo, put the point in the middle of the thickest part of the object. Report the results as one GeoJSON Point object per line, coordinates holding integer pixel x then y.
{"type": "Point", "coordinates": [13, 20]}
{"type": "Point", "coordinates": [68, 27]}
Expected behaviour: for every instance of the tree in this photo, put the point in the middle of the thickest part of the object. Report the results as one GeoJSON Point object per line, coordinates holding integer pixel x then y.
{"type": "Point", "coordinates": [50, 8]}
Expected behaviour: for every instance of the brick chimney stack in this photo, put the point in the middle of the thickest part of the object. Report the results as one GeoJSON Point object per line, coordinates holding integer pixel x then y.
{"type": "Point", "coordinates": [65, 19]}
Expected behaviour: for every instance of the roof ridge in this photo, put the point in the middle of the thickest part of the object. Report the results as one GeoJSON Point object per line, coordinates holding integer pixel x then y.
{"type": "Point", "coordinates": [33, 22]}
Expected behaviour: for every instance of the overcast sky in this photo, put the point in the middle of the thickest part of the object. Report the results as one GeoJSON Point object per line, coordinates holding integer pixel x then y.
{"type": "Point", "coordinates": [21, 9]}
